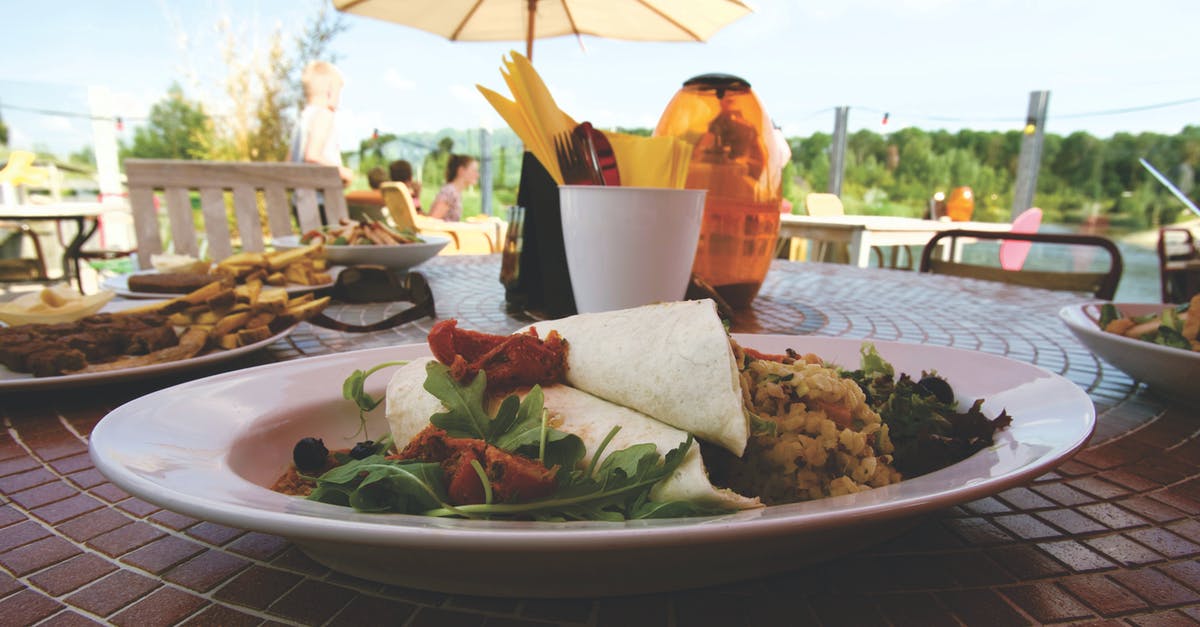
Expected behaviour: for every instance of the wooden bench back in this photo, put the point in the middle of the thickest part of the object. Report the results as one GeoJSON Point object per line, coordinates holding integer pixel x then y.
{"type": "Point", "coordinates": [245, 182]}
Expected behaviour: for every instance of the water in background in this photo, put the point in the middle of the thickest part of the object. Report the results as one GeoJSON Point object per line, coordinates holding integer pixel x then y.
{"type": "Point", "coordinates": [1139, 281]}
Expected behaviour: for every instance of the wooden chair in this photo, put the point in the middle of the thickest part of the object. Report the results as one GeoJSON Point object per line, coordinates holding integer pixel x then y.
{"type": "Point", "coordinates": [1102, 285]}
{"type": "Point", "coordinates": [246, 181]}
{"type": "Point", "coordinates": [1178, 264]}
{"type": "Point", "coordinates": [14, 267]}
{"type": "Point", "coordinates": [465, 237]}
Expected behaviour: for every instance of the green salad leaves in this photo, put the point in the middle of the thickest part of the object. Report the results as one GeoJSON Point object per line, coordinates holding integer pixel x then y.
{"type": "Point", "coordinates": [615, 489]}
{"type": "Point", "coordinates": [928, 432]}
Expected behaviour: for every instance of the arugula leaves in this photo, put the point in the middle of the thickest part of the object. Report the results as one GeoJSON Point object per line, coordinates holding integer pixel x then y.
{"type": "Point", "coordinates": [617, 488]}
{"type": "Point", "coordinates": [519, 426]}
{"type": "Point", "coordinates": [353, 390]}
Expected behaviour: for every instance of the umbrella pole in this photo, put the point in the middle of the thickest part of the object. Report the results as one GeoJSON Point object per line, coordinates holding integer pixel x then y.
{"type": "Point", "coordinates": [529, 30]}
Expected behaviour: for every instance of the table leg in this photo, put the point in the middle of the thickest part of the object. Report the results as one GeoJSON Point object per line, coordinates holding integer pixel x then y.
{"type": "Point", "coordinates": [84, 229]}
{"type": "Point", "coordinates": [860, 249]}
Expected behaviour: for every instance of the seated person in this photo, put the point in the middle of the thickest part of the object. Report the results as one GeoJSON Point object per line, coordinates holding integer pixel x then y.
{"type": "Point", "coordinates": [462, 171]}
{"type": "Point", "coordinates": [402, 172]}
{"type": "Point", "coordinates": [368, 203]}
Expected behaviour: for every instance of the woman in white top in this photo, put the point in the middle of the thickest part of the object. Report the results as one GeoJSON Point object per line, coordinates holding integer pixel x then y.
{"type": "Point", "coordinates": [315, 140]}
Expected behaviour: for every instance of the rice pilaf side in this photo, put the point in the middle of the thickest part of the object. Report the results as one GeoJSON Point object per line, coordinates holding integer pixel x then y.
{"type": "Point", "coordinates": [826, 440]}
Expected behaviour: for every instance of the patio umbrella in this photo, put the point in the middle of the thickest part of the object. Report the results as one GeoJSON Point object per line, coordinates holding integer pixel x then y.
{"type": "Point", "coordinates": [508, 20]}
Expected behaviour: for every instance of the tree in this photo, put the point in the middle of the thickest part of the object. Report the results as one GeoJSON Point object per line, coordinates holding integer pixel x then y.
{"type": "Point", "coordinates": [262, 93]}
{"type": "Point", "coordinates": [177, 128]}
{"type": "Point", "coordinates": [3, 133]}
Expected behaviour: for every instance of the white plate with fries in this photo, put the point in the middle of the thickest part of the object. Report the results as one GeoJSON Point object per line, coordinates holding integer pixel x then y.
{"type": "Point", "coordinates": [394, 256]}
{"type": "Point", "coordinates": [294, 268]}
{"type": "Point", "coordinates": [214, 324]}
{"type": "Point", "coordinates": [120, 285]}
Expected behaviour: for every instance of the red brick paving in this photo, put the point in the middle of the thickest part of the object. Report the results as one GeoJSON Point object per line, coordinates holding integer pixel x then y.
{"type": "Point", "coordinates": [122, 540]}
{"type": "Point", "coordinates": [93, 524]}
{"type": "Point", "coordinates": [37, 555]}
{"type": "Point", "coordinates": [162, 554]}
{"type": "Point", "coordinates": [165, 606]}
{"type": "Point", "coordinates": [27, 607]}
{"type": "Point", "coordinates": [72, 574]}
{"type": "Point", "coordinates": [205, 571]}
{"type": "Point", "coordinates": [112, 592]}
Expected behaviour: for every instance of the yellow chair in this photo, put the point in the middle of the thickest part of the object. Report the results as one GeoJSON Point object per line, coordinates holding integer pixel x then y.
{"type": "Point", "coordinates": [20, 169]}
{"type": "Point", "coordinates": [466, 238]}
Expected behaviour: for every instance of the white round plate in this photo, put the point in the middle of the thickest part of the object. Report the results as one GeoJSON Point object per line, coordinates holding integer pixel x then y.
{"type": "Point", "coordinates": [397, 257]}
{"type": "Point", "coordinates": [210, 448]}
{"type": "Point", "coordinates": [1172, 370]}
{"type": "Point", "coordinates": [23, 381]}
{"type": "Point", "coordinates": [120, 284]}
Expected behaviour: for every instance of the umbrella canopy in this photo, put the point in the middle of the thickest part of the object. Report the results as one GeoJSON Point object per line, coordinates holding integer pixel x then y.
{"type": "Point", "coordinates": [509, 20]}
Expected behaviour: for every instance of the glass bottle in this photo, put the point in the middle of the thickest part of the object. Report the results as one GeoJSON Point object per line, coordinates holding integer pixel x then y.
{"type": "Point", "coordinates": [733, 158]}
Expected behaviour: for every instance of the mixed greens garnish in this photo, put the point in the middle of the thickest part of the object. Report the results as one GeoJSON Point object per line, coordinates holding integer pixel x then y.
{"type": "Point", "coordinates": [922, 416]}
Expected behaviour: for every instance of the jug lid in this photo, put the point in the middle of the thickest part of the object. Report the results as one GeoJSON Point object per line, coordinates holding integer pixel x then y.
{"type": "Point", "coordinates": [717, 81]}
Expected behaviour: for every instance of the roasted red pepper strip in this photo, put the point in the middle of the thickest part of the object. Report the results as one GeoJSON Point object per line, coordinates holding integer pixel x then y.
{"type": "Point", "coordinates": [509, 360]}
{"type": "Point", "coordinates": [513, 478]}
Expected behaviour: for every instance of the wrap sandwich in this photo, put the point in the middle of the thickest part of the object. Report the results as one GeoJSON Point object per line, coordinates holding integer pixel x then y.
{"type": "Point", "coordinates": [671, 361]}
{"type": "Point", "coordinates": [409, 407]}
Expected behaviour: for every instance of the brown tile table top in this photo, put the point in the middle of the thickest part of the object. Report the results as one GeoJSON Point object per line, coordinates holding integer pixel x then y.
{"type": "Point", "coordinates": [1112, 535]}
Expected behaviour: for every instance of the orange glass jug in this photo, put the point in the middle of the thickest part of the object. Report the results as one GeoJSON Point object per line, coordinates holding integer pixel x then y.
{"type": "Point", "coordinates": [960, 204]}
{"type": "Point", "coordinates": [735, 159]}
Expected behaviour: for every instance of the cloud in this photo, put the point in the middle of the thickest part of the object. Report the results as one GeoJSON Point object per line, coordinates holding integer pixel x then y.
{"type": "Point", "coordinates": [131, 104]}
{"type": "Point", "coordinates": [466, 94]}
{"type": "Point", "coordinates": [55, 124]}
{"type": "Point", "coordinates": [393, 79]}
{"type": "Point", "coordinates": [354, 126]}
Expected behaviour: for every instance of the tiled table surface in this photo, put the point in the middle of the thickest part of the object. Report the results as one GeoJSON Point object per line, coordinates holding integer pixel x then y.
{"type": "Point", "coordinates": [1111, 536]}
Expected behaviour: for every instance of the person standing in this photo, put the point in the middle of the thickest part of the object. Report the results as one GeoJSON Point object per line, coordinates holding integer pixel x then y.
{"type": "Point", "coordinates": [315, 139]}
{"type": "Point", "coordinates": [462, 171]}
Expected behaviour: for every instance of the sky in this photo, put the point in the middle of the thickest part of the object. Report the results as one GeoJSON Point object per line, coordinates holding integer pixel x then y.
{"type": "Point", "coordinates": [948, 64]}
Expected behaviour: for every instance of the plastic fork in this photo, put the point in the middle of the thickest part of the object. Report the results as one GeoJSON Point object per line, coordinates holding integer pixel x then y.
{"type": "Point", "coordinates": [576, 168]}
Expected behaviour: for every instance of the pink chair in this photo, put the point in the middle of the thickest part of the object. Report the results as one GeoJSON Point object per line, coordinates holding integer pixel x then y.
{"type": "Point", "coordinates": [1012, 252]}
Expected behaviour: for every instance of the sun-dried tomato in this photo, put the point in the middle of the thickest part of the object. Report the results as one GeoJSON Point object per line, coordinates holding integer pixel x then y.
{"type": "Point", "coordinates": [513, 478]}
{"type": "Point", "coordinates": [510, 361]}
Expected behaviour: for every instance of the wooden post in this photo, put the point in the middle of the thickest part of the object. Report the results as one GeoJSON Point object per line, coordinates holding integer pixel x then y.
{"type": "Point", "coordinates": [837, 151]}
{"type": "Point", "coordinates": [485, 170]}
{"type": "Point", "coordinates": [1030, 159]}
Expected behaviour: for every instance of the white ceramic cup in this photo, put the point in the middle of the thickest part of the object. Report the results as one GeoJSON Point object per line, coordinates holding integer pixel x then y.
{"type": "Point", "coordinates": [629, 246]}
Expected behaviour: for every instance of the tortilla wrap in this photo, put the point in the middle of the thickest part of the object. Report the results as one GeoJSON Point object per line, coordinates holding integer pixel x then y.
{"type": "Point", "coordinates": [670, 361]}
{"type": "Point", "coordinates": [409, 407]}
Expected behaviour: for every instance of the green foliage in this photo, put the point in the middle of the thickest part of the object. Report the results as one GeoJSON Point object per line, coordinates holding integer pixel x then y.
{"type": "Point", "coordinates": [1081, 178]}
{"type": "Point", "coordinates": [177, 128]}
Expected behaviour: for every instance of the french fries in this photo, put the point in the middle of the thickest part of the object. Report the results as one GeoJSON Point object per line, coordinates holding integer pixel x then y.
{"type": "Point", "coordinates": [301, 266]}
{"type": "Point", "coordinates": [232, 317]}
{"type": "Point", "coordinates": [354, 233]}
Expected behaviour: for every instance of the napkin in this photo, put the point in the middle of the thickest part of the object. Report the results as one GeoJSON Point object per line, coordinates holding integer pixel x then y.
{"type": "Point", "coordinates": [651, 161]}
{"type": "Point", "coordinates": [535, 117]}
{"type": "Point", "coordinates": [532, 114]}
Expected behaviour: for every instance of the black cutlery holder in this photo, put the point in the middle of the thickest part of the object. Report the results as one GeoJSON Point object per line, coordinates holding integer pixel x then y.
{"type": "Point", "coordinates": [543, 283]}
